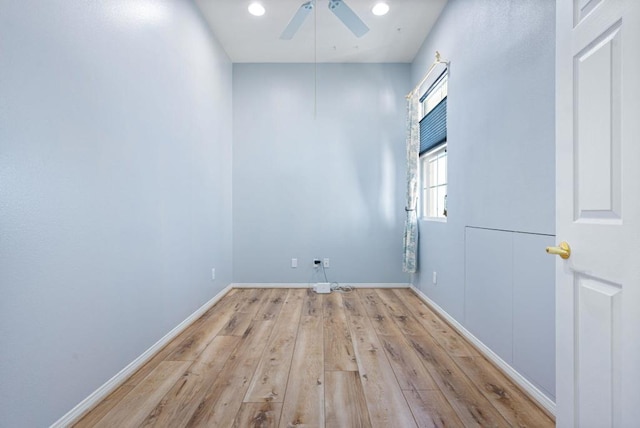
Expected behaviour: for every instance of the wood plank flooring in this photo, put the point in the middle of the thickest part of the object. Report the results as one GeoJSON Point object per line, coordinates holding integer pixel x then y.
{"type": "Point", "coordinates": [293, 358]}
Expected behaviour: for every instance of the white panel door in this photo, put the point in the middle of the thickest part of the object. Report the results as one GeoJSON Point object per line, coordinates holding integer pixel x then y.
{"type": "Point", "coordinates": [598, 213]}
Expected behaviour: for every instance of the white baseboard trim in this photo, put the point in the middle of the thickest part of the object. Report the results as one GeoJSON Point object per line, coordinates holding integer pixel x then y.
{"type": "Point", "coordinates": [107, 388]}
{"type": "Point", "coordinates": [270, 285]}
{"type": "Point", "coordinates": [378, 284]}
{"type": "Point", "coordinates": [309, 285]}
{"type": "Point", "coordinates": [515, 376]}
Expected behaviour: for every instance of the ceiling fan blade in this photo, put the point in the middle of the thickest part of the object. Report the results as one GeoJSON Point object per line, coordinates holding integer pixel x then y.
{"type": "Point", "coordinates": [348, 17]}
{"type": "Point", "coordinates": [297, 20]}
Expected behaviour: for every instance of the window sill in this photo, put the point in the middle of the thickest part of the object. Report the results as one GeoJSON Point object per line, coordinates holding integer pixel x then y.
{"type": "Point", "coordinates": [434, 219]}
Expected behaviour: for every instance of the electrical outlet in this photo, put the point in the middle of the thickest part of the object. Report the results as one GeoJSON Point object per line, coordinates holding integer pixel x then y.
{"type": "Point", "coordinates": [435, 277]}
{"type": "Point", "coordinates": [294, 263]}
{"type": "Point", "coordinates": [326, 263]}
{"type": "Point", "coordinates": [213, 274]}
{"type": "Point", "coordinates": [316, 263]}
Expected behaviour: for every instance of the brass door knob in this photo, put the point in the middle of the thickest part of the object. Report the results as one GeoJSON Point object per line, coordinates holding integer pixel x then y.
{"type": "Point", "coordinates": [563, 250]}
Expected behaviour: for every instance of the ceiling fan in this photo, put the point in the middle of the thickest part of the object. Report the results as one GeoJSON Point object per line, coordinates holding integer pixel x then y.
{"type": "Point", "coordinates": [339, 8]}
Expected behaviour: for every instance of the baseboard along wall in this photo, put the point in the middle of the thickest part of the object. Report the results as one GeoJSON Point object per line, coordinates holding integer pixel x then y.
{"type": "Point", "coordinates": [529, 388]}
{"type": "Point", "coordinates": [112, 384]}
{"type": "Point", "coordinates": [310, 285]}
{"type": "Point", "coordinates": [107, 388]}
{"type": "Point", "coordinates": [75, 414]}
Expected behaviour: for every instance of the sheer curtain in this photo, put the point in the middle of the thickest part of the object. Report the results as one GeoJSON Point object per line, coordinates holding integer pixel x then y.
{"type": "Point", "coordinates": [410, 256]}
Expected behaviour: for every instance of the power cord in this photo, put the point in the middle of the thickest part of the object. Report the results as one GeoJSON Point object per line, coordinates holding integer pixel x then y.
{"type": "Point", "coordinates": [341, 288]}
{"type": "Point", "coordinates": [335, 286]}
{"type": "Point", "coordinates": [314, 275]}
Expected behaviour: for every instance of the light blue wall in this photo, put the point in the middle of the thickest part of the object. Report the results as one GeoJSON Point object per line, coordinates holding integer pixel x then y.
{"type": "Point", "coordinates": [115, 190]}
{"type": "Point", "coordinates": [329, 184]}
{"type": "Point", "coordinates": [501, 176]}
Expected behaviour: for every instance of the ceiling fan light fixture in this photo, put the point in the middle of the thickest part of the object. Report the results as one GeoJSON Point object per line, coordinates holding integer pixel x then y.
{"type": "Point", "coordinates": [256, 9]}
{"type": "Point", "coordinates": [380, 8]}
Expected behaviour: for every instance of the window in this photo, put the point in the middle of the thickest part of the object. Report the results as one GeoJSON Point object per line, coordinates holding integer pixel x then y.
{"type": "Point", "coordinates": [433, 166]}
{"type": "Point", "coordinates": [433, 150]}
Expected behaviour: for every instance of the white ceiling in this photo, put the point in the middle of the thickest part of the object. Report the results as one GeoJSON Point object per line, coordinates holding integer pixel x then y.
{"type": "Point", "coordinates": [395, 37]}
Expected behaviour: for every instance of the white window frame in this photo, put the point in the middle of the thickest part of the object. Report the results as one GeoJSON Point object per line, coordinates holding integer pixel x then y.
{"type": "Point", "coordinates": [441, 180]}
{"type": "Point", "coordinates": [436, 93]}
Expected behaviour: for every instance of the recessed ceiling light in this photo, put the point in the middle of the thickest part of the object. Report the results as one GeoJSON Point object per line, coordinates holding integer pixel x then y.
{"type": "Point", "coordinates": [380, 9]}
{"type": "Point", "coordinates": [256, 9]}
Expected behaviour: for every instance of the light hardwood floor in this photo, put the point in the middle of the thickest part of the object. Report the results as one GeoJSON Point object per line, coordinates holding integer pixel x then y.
{"type": "Point", "coordinates": [286, 358]}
